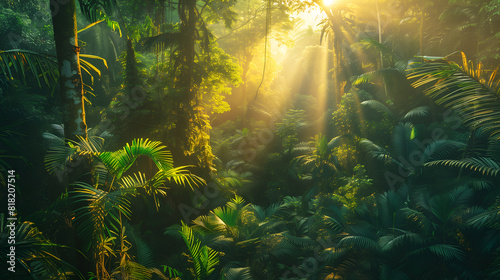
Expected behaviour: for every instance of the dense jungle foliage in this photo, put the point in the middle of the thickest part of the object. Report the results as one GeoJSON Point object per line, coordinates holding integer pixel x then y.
{"type": "Point", "coordinates": [250, 139]}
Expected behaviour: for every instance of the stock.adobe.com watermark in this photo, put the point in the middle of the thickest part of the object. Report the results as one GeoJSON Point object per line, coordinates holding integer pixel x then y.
{"type": "Point", "coordinates": [11, 220]}
{"type": "Point", "coordinates": [418, 156]}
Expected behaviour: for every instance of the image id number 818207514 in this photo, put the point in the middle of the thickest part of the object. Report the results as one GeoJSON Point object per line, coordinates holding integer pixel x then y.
{"type": "Point", "coordinates": [11, 219]}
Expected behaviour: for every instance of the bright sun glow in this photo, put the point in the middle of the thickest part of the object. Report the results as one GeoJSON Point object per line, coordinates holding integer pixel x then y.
{"type": "Point", "coordinates": [328, 3]}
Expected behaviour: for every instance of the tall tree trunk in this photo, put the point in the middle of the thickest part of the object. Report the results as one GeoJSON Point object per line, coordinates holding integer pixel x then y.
{"type": "Point", "coordinates": [247, 59]}
{"type": "Point", "coordinates": [379, 34]}
{"type": "Point", "coordinates": [70, 80]}
{"type": "Point", "coordinates": [190, 143]}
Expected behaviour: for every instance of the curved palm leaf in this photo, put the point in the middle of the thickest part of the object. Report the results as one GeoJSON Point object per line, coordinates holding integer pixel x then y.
{"type": "Point", "coordinates": [416, 114]}
{"type": "Point", "coordinates": [376, 151]}
{"type": "Point", "coordinates": [60, 154]}
{"type": "Point", "coordinates": [101, 212]}
{"type": "Point", "coordinates": [442, 149]}
{"type": "Point", "coordinates": [359, 242]}
{"type": "Point", "coordinates": [374, 76]}
{"type": "Point", "coordinates": [23, 64]}
{"type": "Point", "coordinates": [388, 272]}
{"type": "Point", "coordinates": [172, 272]}
{"type": "Point", "coordinates": [229, 219]}
{"type": "Point", "coordinates": [237, 273]}
{"type": "Point", "coordinates": [162, 41]}
{"type": "Point", "coordinates": [444, 251]}
{"type": "Point", "coordinates": [18, 64]}
{"type": "Point", "coordinates": [485, 219]}
{"type": "Point", "coordinates": [377, 106]}
{"type": "Point", "coordinates": [483, 166]}
{"type": "Point", "coordinates": [420, 219]}
{"type": "Point", "coordinates": [281, 250]}
{"type": "Point", "coordinates": [92, 9]}
{"type": "Point", "coordinates": [120, 161]}
{"type": "Point", "coordinates": [408, 239]}
{"type": "Point", "coordinates": [58, 157]}
{"type": "Point", "coordinates": [204, 258]}
{"type": "Point", "coordinates": [136, 271]}
{"type": "Point", "coordinates": [472, 93]}
{"type": "Point", "coordinates": [181, 176]}
{"type": "Point", "coordinates": [402, 137]}
{"type": "Point", "coordinates": [35, 254]}
{"type": "Point", "coordinates": [299, 241]}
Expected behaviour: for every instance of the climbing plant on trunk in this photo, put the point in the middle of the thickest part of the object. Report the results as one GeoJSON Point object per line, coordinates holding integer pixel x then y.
{"type": "Point", "coordinates": [70, 81]}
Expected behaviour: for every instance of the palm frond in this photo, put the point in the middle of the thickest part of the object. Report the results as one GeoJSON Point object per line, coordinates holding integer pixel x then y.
{"type": "Point", "coordinates": [172, 272]}
{"type": "Point", "coordinates": [367, 44]}
{"type": "Point", "coordinates": [442, 149]}
{"type": "Point", "coordinates": [162, 41]}
{"type": "Point", "coordinates": [101, 212]}
{"type": "Point", "coordinates": [137, 180]}
{"type": "Point", "coordinates": [35, 254]}
{"type": "Point", "coordinates": [92, 9]}
{"type": "Point", "coordinates": [416, 114]}
{"type": "Point", "coordinates": [120, 161]}
{"type": "Point", "coordinates": [419, 219]}
{"type": "Point", "coordinates": [58, 157]}
{"type": "Point", "coordinates": [359, 243]}
{"type": "Point", "coordinates": [21, 64]}
{"type": "Point", "coordinates": [302, 241]}
{"type": "Point", "coordinates": [483, 166]}
{"type": "Point", "coordinates": [261, 214]}
{"type": "Point", "coordinates": [401, 138]}
{"type": "Point", "coordinates": [229, 218]}
{"type": "Point", "coordinates": [388, 272]}
{"type": "Point", "coordinates": [87, 66]}
{"type": "Point", "coordinates": [375, 76]}
{"type": "Point", "coordinates": [237, 273]}
{"type": "Point", "coordinates": [283, 250]}
{"type": "Point", "coordinates": [377, 106]}
{"type": "Point", "coordinates": [92, 145]}
{"type": "Point", "coordinates": [133, 271]}
{"type": "Point", "coordinates": [231, 178]}
{"type": "Point", "coordinates": [470, 92]}
{"type": "Point", "coordinates": [407, 239]}
{"type": "Point", "coordinates": [444, 251]}
{"type": "Point", "coordinates": [144, 251]}
{"type": "Point", "coordinates": [376, 151]}
{"type": "Point", "coordinates": [485, 219]}
{"type": "Point", "coordinates": [181, 176]}
{"type": "Point", "coordinates": [152, 149]}
{"type": "Point", "coordinates": [236, 203]}
{"type": "Point", "coordinates": [204, 258]}
{"type": "Point", "coordinates": [174, 231]}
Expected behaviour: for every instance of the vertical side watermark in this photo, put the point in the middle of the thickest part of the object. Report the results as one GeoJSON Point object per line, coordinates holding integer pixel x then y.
{"type": "Point", "coordinates": [11, 220]}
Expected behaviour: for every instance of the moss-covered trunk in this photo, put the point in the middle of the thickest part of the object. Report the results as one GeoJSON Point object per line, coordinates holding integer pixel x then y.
{"type": "Point", "coordinates": [70, 81]}
{"type": "Point", "coordinates": [191, 139]}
